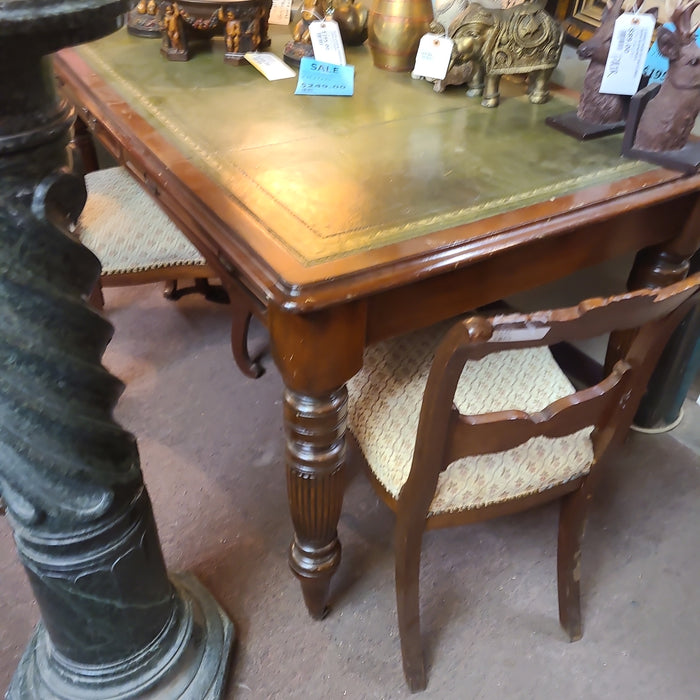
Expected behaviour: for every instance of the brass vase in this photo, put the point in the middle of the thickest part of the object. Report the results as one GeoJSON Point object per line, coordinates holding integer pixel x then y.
{"type": "Point", "coordinates": [395, 28]}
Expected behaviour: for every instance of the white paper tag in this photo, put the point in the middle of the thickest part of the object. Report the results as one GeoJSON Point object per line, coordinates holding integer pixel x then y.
{"type": "Point", "coordinates": [433, 56]}
{"type": "Point", "coordinates": [326, 42]}
{"type": "Point", "coordinates": [280, 12]}
{"type": "Point", "coordinates": [628, 52]}
{"type": "Point", "coordinates": [271, 66]}
{"type": "Point", "coordinates": [514, 335]}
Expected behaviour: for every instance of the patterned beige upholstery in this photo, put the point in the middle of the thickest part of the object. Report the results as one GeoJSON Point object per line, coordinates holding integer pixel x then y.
{"type": "Point", "coordinates": [384, 406]}
{"type": "Point", "coordinates": [127, 230]}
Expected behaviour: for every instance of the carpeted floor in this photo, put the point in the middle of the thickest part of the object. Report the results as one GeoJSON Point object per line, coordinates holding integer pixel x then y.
{"type": "Point", "coordinates": [211, 450]}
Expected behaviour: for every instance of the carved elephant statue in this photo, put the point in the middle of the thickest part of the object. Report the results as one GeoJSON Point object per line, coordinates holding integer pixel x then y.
{"type": "Point", "coordinates": [520, 39]}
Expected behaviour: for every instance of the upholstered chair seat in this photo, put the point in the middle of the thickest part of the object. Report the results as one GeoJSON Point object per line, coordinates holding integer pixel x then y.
{"type": "Point", "coordinates": [129, 232]}
{"type": "Point", "coordinates": [384, 407]}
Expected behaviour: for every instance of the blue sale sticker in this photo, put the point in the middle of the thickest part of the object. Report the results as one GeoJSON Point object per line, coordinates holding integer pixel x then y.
{"type": "Point", "coordinates": [656, 65]}
{"type": "Point", "coordinates": [319, 78]}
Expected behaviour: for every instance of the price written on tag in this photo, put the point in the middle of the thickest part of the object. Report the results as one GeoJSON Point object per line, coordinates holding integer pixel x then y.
{"type": "Point", "coordinates": [319, 78]}
{"type": "Point", "coordinates": [280, 12]}
{"type": "Point", "coordinates": [628, 53]}
{"type": "Point", "coordinates": [433, 57]}
{"type": "Point", "coordinates": [326, 42]}
{"type": "Point", "coordinates": [656, 65]}
{"type": "Point", "coordinates": [271, 66]}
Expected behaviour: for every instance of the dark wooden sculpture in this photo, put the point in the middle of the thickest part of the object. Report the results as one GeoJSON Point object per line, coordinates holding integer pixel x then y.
{"type": "Point", "coordinates": [113, 623]}
{"type": "Point", "coordinates": [593, 106]}
{"type": "Point", "coordinates": [662, 117]}
{"type": "Point", "coordinates": [598, 114]}
{"type": "Point", "coordinates": [145, 19]}
{"type": "Point", "coordinates": [242, 23]}
{"type": "Point", "coordinates": [667, 120]}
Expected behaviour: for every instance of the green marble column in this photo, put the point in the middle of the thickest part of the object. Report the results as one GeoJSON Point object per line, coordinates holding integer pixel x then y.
{"type": "Point", "coordinates": [113, 623]}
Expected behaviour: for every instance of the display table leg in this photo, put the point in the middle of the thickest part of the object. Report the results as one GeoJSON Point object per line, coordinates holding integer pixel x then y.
{"type": "Point", "coordinates": [658, 267]}
{"type": "Point", "coordinates": [661, 406]}
{"type": "Point", "coordinates": [316, 354]}
{"type": "Point", "coordinates": [315, 449]}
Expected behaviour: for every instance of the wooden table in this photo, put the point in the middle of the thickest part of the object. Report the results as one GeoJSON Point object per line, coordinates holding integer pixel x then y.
{"type": "Point", "coordinates": [346, 220]}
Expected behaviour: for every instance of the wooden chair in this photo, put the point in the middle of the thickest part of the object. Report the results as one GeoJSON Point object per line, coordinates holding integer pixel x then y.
{"type": "Point", "coordinates": [133, 238]}
{"type": "Point", "coordinates": [137, 243]}
{"type": "Point", "coordinates": [436, 425]}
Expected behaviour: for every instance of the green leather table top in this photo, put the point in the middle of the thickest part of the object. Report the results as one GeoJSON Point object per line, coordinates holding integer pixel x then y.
{"type": "Point", "coordinates": [331, 176]}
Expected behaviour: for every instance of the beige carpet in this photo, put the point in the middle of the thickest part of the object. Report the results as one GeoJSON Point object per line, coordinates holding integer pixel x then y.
{"type": "Point", "coordinates": [211, 449]}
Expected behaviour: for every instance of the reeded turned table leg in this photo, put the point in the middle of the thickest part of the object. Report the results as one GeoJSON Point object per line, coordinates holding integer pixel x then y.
{"type": "Point", "coordinates": [315, 452]}
{"type": "Point", "coordinates": [316, 354]}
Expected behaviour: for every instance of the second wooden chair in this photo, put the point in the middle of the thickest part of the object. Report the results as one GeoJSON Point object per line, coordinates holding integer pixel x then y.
{"type": "Point", "coordinates": [435, 423]}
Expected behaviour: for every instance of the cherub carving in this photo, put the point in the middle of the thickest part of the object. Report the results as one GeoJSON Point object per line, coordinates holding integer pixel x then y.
{"type": "Point", "coordinates": [173, 28]}
{"type": "Point", "coordinates": [258, 27]}
{"type": "Point", "coordinates": [232, 33]}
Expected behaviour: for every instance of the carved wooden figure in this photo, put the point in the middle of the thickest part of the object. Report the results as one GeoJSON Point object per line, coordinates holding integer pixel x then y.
{"type": "Point", "coordinates": [594, 106]}
{"type": "Point", "coordinates": [311, 10]}
{"type": "Point", "coordinates": [233, 33]}
{"type": "Point", "coordinates": [172, 39]}
{"type": "Point", "coordinates": [257, 28]}
{"type": "Point", "coordinates": [242, 23]}
{"type": "Point", "coordinates": [515, 40]}
{"type": "Point", "coordinates": [300, 45]}
{"type": "Point", "coordinates": [667, 120]}
{"type": "Point", "coordinates": [145, 19]}
{"type": "Point", "coordinates": [598, 114]}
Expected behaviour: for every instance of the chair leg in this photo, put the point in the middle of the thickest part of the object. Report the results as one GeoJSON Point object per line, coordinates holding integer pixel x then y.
{"type": "Point", "coordinates": [170, 290]}
{"type": "Point", "coordinates": [201, 285]}
{"type": "Point", "coordinates": [572, 524]}
{"type": "Point", "coordinates": [96, 297]}
{"type": "Point", "coordinates": [408, 550]}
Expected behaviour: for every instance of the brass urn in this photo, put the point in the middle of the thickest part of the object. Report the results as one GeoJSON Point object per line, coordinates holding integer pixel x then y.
{"type": "Point", "coordinates": [395, 28]}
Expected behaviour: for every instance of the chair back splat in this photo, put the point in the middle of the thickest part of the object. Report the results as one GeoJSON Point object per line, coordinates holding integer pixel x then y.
{"type": "Point", "coordinates": [483, 423]}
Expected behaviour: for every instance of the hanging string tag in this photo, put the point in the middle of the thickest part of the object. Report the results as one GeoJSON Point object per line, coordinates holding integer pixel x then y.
{"type": "Point", "coordinates": [628, 52]}
{"type": "Point", "coordinates": [327, 42]}
{"type": "Point", "coordinates": [433, 57]}
{"type": "Point", "coordinates": [280, 12]}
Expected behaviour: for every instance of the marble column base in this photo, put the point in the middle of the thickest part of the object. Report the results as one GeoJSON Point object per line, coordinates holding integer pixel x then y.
{"type": "Point", "coordinates": [189, 660]}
